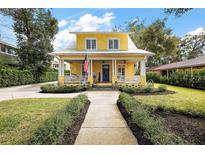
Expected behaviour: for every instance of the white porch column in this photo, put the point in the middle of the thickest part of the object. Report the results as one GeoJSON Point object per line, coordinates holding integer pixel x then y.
{"type": "Point", "coordinates": [59, 67]}
{"type": "Point", "coordinates": [91, 68]}
{"type": "Point", "coordinates": [62, 67]}
{"type": "Point", "coordinates": [142, 68]}
{"type": "Point", "coordinates": [90, 71]}
{"type": "Point", "coordinates": [113, 68]}
{"type": "Point", "coordinates": [142, 72]}
{"type": "Point", "coordinates": [61, 72]}
{"type": "Point", "coordinates": [114, 72]}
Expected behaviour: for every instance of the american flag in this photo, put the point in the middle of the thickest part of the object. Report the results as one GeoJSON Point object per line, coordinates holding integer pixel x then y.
{"type": "Point", "coordinates": [86, 65]}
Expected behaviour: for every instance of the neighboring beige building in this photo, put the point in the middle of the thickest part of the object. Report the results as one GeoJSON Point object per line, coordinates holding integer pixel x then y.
{"type": "Point", "coordinates": [7, 54]}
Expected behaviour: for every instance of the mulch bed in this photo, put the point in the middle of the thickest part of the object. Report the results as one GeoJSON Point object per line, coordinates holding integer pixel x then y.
{"type": "Point", "coordinates": [72, 132]}
{"type": "Point", "coordinates": [167, 92]}
{"type": "Point", "coordinates": [190, 128]}
{"type": "Point", "coordinates": [136, 130]}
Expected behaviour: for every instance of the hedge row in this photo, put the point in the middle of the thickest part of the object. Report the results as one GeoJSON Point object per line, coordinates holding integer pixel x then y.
{"type": "Point", "coordinates": [53, 129]}
{"type": "Point", "coordinates": [52, 88]}
{"type": "Point", "coordinates": [142, 90]}
{"type": "Point", "coordinates": [14, 77]}
{"type": "Point", "coordinates": [181, 78]}
{"type": "Point", "coordinates": [153, 129]}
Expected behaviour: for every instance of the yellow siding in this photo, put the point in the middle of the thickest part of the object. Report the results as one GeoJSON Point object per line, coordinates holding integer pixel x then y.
{"type": "Point", "coordinates": [129, 70]}
{"type": "Point", "coordinates": [75, 68]}
{"type": "Point", "coordinates": [102, 40]}
{"type": "Point", "coordinates": [97, 67]}
{"type": "Point", "coordinates": [61, 80]}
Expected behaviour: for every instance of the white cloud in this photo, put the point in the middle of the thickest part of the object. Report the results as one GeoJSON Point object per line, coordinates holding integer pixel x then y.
{"type": "Point", "coordinates": [62, 23]}
{"type": "Point", "coordinates": [86, 22]}
{"type": "Point", "coordinates": [64, 39]}
{"type": "Point", "coordinates": [198, 31]}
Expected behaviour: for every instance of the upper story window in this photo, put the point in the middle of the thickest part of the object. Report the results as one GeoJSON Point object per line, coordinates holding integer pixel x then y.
{"type": "Point", "coordinates": [91, 44]}
{"type": "Point", "coordinates": [113, 44]}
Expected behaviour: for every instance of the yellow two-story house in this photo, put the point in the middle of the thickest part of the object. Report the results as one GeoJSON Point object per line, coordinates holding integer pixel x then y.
{"type": "Point", "coordinates": [112, 58]}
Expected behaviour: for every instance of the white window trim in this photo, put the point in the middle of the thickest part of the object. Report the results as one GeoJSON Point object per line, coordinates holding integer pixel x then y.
{"type": "Point", "coordinates": [91, 45]}
{"type": "Point", "coordinates": [113, 44]}
{"type": "Point", "coordinates": [125, 69]}
{"type": "Point", "coordinates": [102, 71]}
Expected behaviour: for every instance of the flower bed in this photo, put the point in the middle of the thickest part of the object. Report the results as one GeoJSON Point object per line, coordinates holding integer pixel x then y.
{"type": "Point", "coordinates": [147, 90]}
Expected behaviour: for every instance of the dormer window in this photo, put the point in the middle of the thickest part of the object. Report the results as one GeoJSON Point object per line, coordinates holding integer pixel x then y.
{"type": "Point", "coordinates": [113, 44]}
{"type": "Point", "coordinates": [91, 44]}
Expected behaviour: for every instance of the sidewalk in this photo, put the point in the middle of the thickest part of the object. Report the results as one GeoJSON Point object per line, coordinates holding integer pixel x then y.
{"type": "Point", "coordinates": [104, 123]}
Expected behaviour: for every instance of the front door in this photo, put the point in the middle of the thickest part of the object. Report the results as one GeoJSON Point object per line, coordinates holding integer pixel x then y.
{"type": "Point", "coordinates": [106, 70]}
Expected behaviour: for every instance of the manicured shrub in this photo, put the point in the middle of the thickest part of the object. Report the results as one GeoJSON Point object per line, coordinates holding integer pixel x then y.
{"type": "Point", "coordinates": [162, 88]}
{"type": "Point", "coordinates": [153, 76]}
{"type": "Point", "coordinates": [14, 77]}
{"type": "Point", "coordinates": [182, 78]}
{"type": "Point", "coordinates": [52, 88]}
{"type": "Point", "coordinates": [148, 89]}
{"type": "Point", "coordinates": [153, 128]}
{"type": "Point", "coordinates": [53, 129]}
{"type": "Point", "coordinates": [141, 90]}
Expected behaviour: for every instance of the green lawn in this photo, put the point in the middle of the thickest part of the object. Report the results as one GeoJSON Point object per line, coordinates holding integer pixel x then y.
{"type": "Point", "coordinates": [185, 99]}
{"type": "Point", "coordinates": [19, 118]}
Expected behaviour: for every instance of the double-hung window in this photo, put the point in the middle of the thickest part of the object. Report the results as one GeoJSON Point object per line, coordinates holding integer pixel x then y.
{"type": "Point", "coordinates": [113, 44]}
{"type": "Point", "coordinates": [121, 72]}
{"type": "Point", "coordinates": [91, 44]}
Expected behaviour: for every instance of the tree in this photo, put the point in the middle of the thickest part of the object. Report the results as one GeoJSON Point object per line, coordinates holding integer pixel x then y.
{"type": "Point", "coordinates": [157, 38]}
{"type": "Point", "coordinates": [193, 46]}
{"type": "Point", "coordinates": [177, 11]}
{"type": "Point", "coordinates": [35, 30]}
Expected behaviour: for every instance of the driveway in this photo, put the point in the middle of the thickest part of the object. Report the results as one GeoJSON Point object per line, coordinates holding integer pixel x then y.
{"type": "Point", "coordinates": [29, 91]}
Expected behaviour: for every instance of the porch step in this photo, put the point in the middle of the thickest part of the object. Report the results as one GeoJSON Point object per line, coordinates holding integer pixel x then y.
{"type": "Point", "coordinates": [102, 87]}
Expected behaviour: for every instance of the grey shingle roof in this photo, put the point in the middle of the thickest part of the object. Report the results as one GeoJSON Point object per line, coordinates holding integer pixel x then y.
{"type": "Point", "coordinates": [199, 61]}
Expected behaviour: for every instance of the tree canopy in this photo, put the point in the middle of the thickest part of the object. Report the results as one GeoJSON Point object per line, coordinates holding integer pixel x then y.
{"type": "Point", "coordinates": [193, 46]}
{"type": "Point", "coordinates": [177, 11]}
{"type": "Point", "coordinates": [156, 38]}
{"type": "Point", "coordinates": [35, 30]}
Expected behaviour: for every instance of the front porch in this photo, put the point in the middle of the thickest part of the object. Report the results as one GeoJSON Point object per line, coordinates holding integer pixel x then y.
{"type": "Point", "coordinates": [103, 71]}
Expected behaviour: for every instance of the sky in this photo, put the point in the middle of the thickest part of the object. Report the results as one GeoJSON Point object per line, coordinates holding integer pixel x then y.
{"type": "Point", "coordinates": [105, 19]}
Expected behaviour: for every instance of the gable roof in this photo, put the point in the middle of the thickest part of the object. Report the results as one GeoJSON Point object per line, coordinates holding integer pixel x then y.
{"type": "Point", "coordinates": [199, 61]}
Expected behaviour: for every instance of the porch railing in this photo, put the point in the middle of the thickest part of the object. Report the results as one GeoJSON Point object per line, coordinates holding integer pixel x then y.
{"type": "Point", "coordinates": [75, 79]}
{"type": "Point", "coordinates": [122, 78]}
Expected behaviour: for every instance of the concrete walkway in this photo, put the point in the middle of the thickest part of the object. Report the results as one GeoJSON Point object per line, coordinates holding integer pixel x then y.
{"type": "Point", "coordinates": [104, 123]}
{"type": "Point", "coordinates": [29, 91]}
